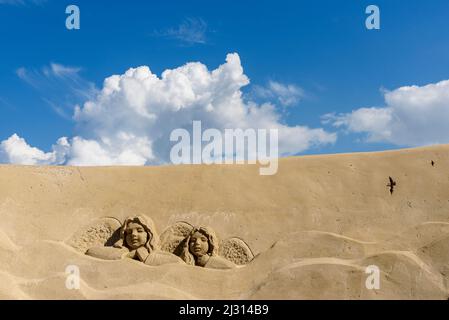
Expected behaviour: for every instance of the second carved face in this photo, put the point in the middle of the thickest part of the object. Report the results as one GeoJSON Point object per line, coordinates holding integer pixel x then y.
{"type": "Point", "coordinates": [198, 244]}
{"type": "Point", "coordinates": [136, 235]}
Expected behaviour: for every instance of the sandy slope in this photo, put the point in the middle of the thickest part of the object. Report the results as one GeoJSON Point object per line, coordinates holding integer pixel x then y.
{"type": "Point", "coordinates": [315, 226]}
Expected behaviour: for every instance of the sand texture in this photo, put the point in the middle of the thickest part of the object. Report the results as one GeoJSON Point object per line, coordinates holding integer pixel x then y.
{"type": "Point", "coordinates": [313, 227]}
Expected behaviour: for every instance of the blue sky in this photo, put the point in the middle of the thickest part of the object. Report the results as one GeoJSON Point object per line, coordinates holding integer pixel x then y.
{"type": "Point", "coordinates": [322, 48]}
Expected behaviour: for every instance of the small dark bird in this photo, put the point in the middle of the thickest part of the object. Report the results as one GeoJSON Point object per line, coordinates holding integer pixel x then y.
{"type": "Point", "coordinates": [433, 163]}
{"type": "Point", "coordinates": [392, 184]}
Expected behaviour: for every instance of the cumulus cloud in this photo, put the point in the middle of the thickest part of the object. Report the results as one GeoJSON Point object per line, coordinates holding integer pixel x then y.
{"type": "Point", "coordinates": [16, 150]}
{"type": "Point", "coordinates": [283, 94]}
{"type": "Point", "coordinates": [413, 116]}
{"type": "Point", "coordinates": [130, 119]}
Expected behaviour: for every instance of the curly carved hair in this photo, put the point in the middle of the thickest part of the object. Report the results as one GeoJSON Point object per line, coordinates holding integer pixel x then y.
{"type": "Point", "coordinates": [148, 225]}
{"type": "Point", "coordinates": [212, 239]}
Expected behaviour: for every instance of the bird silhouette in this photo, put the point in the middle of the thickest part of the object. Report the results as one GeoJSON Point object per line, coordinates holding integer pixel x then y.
{"type": "Point", "coordinates": [392, 184]}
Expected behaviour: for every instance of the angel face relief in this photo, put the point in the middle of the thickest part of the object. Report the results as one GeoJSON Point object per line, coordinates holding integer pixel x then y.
{"type": "Point", "coordinates": [138, 232]}
{"type": "Point", "coordinates": [138, 241]}
{"type": "Point", "coordinates": [136, 238]}
{"type": "Point", "coordinates": [135, 235]}
{"type": "Point", "coordinates": [198, 244]}
{"type": "Point", "coordinates": [201, 249]}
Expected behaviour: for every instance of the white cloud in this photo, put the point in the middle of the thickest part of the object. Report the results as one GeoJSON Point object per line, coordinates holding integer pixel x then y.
{"type": "Point", "coordinates": [413, 116]}
{"type": "Point", "coordinates": [130, 120]}
{"type": "Point", "coordinates": [16, 150]}
{"type": "Point", "coordinates": [62, 71]}
{"type": "Point", "coordinates": [50, 75]}
{"type": "Point", "coordinates": [59, 86]}
{"type": "Point", "coordinates": [284, 94]}
{"type": "Point", "coordinates": [191, 31]}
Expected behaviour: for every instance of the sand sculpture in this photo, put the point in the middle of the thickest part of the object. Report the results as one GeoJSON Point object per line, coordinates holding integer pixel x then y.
{"type": "Point", "coordinates": [201, 249]}
{"type": "Point", "coordinates": [182, 238]}
{"type": "Point", "coordinates": [138, 241]}
{"type": "Point", "coordinates": [136, 238]}
{"type": "Point", "coordinates": [317, 227]}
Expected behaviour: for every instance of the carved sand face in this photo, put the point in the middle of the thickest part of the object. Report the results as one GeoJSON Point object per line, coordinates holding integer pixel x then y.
{"type": "Point", "coordinates": [136, 236]}
{"type": "Point", "coordinates": [199, 244]}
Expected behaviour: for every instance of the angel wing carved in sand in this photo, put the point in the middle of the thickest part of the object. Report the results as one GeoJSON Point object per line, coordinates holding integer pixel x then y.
{"type": "Point", "coordinates": [102, 232]}
{"type": "Point", "coordinates": [200, 246]}
{"type": "Point", "coordinates": [136, 238]}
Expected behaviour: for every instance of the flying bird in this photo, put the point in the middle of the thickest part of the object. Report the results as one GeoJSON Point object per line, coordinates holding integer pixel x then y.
{"type": "Point", "coordinates": [392, 184]}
